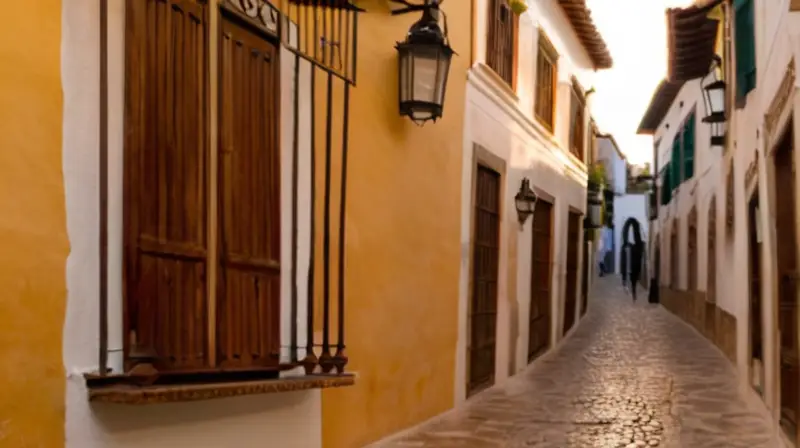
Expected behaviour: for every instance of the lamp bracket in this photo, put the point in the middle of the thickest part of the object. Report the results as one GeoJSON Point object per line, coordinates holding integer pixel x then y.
{"type": "Point", "coordinates": [415, 7]}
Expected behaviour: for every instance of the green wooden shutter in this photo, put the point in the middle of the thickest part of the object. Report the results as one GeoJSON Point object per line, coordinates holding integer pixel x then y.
{"type": "Point", "coordinates": [745, 41]}
{"type": "Point", "coordinates": [675, 163]}
{"type": "Point", "coordinates": [688, 148]}
{"type": "Point", "coordinates": [666, 188]}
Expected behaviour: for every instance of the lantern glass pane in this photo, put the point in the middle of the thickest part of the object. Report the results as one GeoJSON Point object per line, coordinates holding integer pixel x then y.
{"type": "Point", "coordinates": [522, 205]}
{"type": "Point", "coordinates": [425, 75]}
{"type": "Point", "coordinates": [716, 98]}
{"type": "Point", "coordinates": [404, 74]}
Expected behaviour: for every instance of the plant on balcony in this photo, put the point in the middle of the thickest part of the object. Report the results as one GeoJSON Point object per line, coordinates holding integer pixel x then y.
{"type": "Point", "coordinates": [518, 7]}
{"type": "Point", "coordinates": [597, 177]}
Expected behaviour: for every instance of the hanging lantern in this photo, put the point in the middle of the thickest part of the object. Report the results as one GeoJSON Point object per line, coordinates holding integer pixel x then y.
{"type": "Point", "coordinates": [594, 209]}
{"type": "Point", "coordinates": [714, 99]}
{"type": "Point", "coordinates": [525, 201]}
{"type": "Point", "coordinates": [424, 63]}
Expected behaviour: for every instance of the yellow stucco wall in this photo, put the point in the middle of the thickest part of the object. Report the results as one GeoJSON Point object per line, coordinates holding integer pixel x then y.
{"type": "Point", "coordinates": [33, 238]}
{"type": "Point", "coordinates": [404, 186]}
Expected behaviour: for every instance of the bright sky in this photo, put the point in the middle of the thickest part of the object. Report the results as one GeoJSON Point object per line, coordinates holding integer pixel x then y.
{"type": "Point", "coordinates": [635, 32]}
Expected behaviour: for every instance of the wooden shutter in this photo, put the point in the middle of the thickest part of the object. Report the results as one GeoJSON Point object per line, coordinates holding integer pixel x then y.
{"type": "Point", "coordinates": [665, 185]}
{"type": "Point", "coordinates": [546, 61]}
{"type": "Point", "coordinates": [248, 297]}
{"type": "Point", "coordinates": [165, 184]}
{"type": "Point", "coordinates": [688, 148]}
{"type": "Point", "coordinates": [675, 165]}
{"type": "Point", "coordinates": [745, 38]}
{"type": "Point", "coordinates": [501, 44]}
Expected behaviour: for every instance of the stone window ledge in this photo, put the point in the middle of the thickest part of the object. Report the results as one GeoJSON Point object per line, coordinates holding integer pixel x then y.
{"type": "Point", "coordinates": [141, 395]}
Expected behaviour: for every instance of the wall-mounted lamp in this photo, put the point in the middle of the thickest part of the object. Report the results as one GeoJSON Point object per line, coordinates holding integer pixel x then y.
{"type": "Point", "coordinates": [525, 201]}
{"type": "Point", "coordinates": [594, 208]}
{"type": "Point", "coordinates": [714, 98]}
{"type": "Point", "coordinates": [424, 64]}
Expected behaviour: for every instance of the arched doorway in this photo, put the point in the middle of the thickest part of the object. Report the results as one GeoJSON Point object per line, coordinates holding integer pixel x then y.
{"type": "Point", "coordinates": [632, 254]}
{"type": "Point", "coordinates": [711, 273]}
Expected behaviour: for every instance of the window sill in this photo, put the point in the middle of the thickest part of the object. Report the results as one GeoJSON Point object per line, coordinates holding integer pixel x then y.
{"type": "Point", "coordinates": [500, 83]}
{"type": "Point", "coordinates": [173, 393]}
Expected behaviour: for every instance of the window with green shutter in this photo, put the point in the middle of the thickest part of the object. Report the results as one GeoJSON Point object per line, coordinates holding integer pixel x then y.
{"type": "Point", "coordinates": [666, 189]}
{"type": "Point", "coordinates": [745, 42]}
{"type": "Point", "coordinates": [688, 148]}
{"type": "Point", "coordinates": [675, 164]}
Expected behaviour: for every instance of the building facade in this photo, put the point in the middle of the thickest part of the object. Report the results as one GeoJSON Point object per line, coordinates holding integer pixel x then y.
{"type": "Point", "coordinates": [175, 213]}
{"type": "Point", "coordinates": [726, 226]}
{"type": "Point", "coordinates": [527, 116]}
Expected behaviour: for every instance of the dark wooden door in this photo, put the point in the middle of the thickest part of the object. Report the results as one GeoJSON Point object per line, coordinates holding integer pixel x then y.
{"type": "Point", "coordinates": [248, 293]}
{"type": "Point", "coordinates": [756, 341]}
{"type": "Point", "coordinates": [570, 299]}
{"type": "Point", "coordinates": [585, 278]}
{"type": "Point", "coordinates": [483, 303]}
{"type": "Point", "coordinates": [711, 273]}
{"type": "Point", "coordinates": [541, 280]}
{"type": "Point", "coordinates": [787, 284]}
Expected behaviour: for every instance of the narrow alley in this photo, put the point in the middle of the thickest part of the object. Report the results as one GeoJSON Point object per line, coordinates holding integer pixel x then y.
{"type": "Point", "coordinates": [630, 375]}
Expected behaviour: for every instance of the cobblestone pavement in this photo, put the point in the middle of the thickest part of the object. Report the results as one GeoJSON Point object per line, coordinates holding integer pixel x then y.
{"type": "Point", "coordinates": [631, 375]}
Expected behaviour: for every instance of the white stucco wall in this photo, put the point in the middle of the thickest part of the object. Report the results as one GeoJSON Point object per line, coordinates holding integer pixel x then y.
{"type": "Point", "coordinates": [616, 175]}
{"type": "Point", "coordinates": [286, 420]}
{"type": "Point", "coordinates": [503, 123]}
{"type": "Point", "coordinates": [777, 43]}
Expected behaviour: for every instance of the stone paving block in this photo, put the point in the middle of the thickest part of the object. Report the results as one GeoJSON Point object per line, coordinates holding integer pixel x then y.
{"type": "Point", "coordinates": [631, 375]}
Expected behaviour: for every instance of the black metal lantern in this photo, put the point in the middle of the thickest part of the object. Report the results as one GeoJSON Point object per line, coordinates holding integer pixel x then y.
{"type": "Point", "coordinates": [424, 63]}
{"type": "Point", "coordinates": [525, 201]}
{"type": "Point", "coordinates": [714, 98]}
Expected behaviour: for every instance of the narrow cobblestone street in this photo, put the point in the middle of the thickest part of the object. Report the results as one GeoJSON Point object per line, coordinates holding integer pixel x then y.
{"type": "Point", "coordinates": [631, 375]}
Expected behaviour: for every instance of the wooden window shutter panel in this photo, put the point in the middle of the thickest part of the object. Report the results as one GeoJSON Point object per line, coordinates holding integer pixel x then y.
{"type": "Point", "coordinates": [248, 296]}
{"type": "Point", "coordinates": [688, 147]}
{"type": "Point", "coordinates": [745, 47]}
{"type": "Point", "coordinates": [165, 185]}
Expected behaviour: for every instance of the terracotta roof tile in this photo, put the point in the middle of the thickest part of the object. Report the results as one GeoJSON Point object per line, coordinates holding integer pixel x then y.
{"type": "Point", "coordinates": [580, 17]}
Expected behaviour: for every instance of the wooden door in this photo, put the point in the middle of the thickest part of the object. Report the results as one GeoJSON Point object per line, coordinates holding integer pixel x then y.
{"type": "Point", "coordinates": [787, 283]}
{"type": "Point", "coordinates": [541, 280]}
{"type": "Point", "coordinates": [248, 287]}
{"type": "Point", "coordinates": [756, 341]}
{"type": "Point", "coordinates": [711, 273]}
{"type": "Point", "coordinates": [585, 278]}
{"type": "Point", "coordinates": [483, 301]}
{"type": "Point", "coordinates": [570, 299]}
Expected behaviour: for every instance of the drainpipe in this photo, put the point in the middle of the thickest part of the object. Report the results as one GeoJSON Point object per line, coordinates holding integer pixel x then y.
{"type": "Point", "coordinates": [103, 189]}
{"type": "Point", "coordinates": [656, 264]}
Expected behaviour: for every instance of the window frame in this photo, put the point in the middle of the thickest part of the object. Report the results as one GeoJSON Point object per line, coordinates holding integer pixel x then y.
{"type": "Point", "coordinates": [577, 128]}
{"type": "Point", "coordinates": [211, 213]}
{"type": "Point", "coordinates": [495, 33]}
{"type": "Point", "coordinates": [546, 53]}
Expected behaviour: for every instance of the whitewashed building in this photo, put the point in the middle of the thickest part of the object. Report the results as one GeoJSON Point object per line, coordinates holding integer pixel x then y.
{"type": "Point", "coordinates": [527, 116]}
{"type": "Point", "coordinates": [726, 232]}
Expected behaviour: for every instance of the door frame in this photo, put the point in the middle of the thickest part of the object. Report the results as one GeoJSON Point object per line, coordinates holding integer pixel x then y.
{"type": "Point", "coordinates": [543, 196]}
{"type": "Point", "coordinates": [484, 157]}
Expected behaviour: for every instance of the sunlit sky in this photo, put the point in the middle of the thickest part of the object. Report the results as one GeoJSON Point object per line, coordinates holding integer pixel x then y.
{"type": "Point", "coordinates": [635, 32]}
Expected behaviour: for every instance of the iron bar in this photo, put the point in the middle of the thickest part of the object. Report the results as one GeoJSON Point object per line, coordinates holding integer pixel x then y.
{"type": "Point", "coordinates": [310, 361]}
{"type": "Point", "coordinates": [340, 357]}
{"type": "Point", "coordinates": [355, 48]}
{"type": "Point", "coordinates": [326, 359]}
{"type": "Point", "coordinates": [346, 45]}
{"type": "Point", "coordinates": [295, 155]}
{"type": "Point", "coordinates": [103, 188]}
